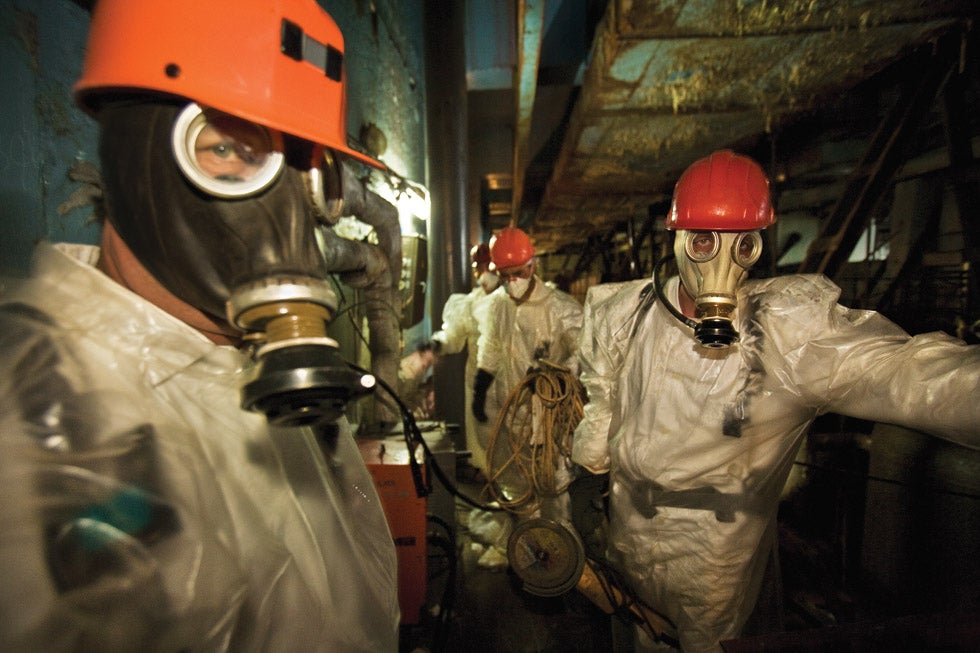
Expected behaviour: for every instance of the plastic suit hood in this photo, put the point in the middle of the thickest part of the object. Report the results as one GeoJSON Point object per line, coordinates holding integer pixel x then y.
{"type": "Point", "coordinates": [183, 521]}
{"type": "Point", "coordinates": [699, 442]}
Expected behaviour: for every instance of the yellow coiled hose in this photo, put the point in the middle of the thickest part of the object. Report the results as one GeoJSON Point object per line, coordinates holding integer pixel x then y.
{"type": "Point", "coordinates": [521, 452]}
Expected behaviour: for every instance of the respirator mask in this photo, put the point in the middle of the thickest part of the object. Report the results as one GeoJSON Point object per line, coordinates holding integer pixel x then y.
{"type": "Point", "coordinates": [488, 281]}
{"type": "Point", "coordinates": [517, 280]}
{"type": "Point", "coordinates": [712, 265]}
{"type": "Point", "coordinates": [224, 213]}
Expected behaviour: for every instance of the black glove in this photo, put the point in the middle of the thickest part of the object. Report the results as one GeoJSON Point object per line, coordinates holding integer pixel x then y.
{"type": "Point", "coordinates": [589, 501]}
{"type": "Point", "coordinates": [480, 385]}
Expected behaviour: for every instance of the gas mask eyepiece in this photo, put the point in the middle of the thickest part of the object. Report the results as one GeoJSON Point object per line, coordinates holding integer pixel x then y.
{"type": "Point", "coordinates": [299, 377]}
{"type": "Point", "coordinates": [223, 155]}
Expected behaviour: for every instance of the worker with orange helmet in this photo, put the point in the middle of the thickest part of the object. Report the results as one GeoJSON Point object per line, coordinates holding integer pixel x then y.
{"type": "Point", "coordinates": [462, 318]}
{"type": "Point", "coordinates": [702, 387]}
{"type": "Point", "coordinates": [528, 322]}
{"type": "Point", "coordinates": [150, 503]}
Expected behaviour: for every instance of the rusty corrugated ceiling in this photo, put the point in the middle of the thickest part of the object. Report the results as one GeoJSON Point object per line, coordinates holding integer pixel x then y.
{"type": "Point", "coordinates": [672, 80]}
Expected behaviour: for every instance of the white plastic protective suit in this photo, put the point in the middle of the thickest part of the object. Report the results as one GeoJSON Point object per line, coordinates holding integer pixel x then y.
{"type": "Point", "coordinates": [699, 442]}
{"type": "Point", "coordinates": [462, 317]}
{"type": "Point", "coordinates": [145, 511]}
{"type": "Point", "coordinates": [545, 326]}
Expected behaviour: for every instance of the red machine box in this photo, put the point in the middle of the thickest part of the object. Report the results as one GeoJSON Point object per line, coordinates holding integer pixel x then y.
{"type": "Point", "coordinates": [387, 461]}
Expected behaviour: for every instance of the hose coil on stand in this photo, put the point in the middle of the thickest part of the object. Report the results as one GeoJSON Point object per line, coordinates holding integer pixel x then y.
{"type": "Point", "coordinates": [532, 437]}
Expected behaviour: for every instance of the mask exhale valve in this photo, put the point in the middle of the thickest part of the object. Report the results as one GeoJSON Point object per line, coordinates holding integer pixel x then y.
{"type": "Point", "coordinates": [299, 377]}
{"type": "Point", "coordinates": [715, 333]}
{"type": "Point", "coordinates": [714, 329]}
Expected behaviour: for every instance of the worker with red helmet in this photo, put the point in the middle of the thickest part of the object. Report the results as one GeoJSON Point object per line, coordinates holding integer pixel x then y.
{"type": "Point", "coordinates": [528, 322]}
{"type": "Point", "coordinates": [150, 503]}
{"type": "Point", "coordinates": [462, 319]}
{"type": "Point", "coordinates": [702, 388]}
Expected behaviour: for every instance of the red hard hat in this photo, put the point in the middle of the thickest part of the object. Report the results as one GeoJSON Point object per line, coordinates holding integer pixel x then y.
{"type": "Point", "coordinates": [722, 192]}
{"type": "Point", "coordinates": [278, 63]}
{"type": "Point", "coordinates": [480, 255]}
{"type": "Point", "coordinates": [510, 247]}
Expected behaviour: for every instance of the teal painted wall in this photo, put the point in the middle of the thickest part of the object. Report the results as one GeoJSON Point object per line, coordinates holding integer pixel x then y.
{"type": "Point", "coordinates": [41, 132]}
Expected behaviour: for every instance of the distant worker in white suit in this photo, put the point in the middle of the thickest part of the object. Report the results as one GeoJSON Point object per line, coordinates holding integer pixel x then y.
{"type": "Point", "coordinates": [528, 324]}
{"type": "Point", "coordinates": [462, 317]}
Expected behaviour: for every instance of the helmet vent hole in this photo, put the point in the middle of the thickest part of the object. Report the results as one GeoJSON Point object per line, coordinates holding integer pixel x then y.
{"type": "Point", "coordinates": [172, 70]}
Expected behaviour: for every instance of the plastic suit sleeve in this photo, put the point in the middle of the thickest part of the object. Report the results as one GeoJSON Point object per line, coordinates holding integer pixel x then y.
{"type": "Point", "coordinates": [101, 507]}
{"type": "Point", "coordinates": [602, 345]}
{"type": "Point", "coordinates": [456, 315]}
{"type": "Point", "coordinates": [491, 350]}
{"type": "Point", "coordinates": [144, 510]}
{"type": "Point", "coordinates": [859, 363]}
{"type": "Point", "coordinates": [569, 313]}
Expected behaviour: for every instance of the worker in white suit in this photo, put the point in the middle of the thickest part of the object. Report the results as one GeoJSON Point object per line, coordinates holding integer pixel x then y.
{"type": "Point", "coordinates": [701, 390]}
{"type": "Point", "coordinates": [528, 323]}
{"type": "Point", "coordinates": [462, 317]}
{"type": "Point", "coordinates": [145, 509]}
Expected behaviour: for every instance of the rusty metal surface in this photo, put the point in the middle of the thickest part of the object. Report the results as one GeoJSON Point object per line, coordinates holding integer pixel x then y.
{"type": "Point", "coordinates": [671, 80]}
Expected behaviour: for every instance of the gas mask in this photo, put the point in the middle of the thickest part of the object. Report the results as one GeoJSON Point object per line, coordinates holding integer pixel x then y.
{"type": "Point", "coordinates": [224, 213]}
{"type": "Point", "coordinates": [712, 265]}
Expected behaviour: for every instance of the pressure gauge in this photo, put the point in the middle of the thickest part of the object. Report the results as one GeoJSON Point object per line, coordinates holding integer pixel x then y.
{"type": "Point", "coordinates": [548, 556]}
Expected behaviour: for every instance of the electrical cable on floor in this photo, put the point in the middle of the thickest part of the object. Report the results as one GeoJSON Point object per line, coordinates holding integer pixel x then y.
{"type": "Point", "coordinates": [628, 606]}
{"type": "Point", "coordinates": [447, 605]}
{"type": "Point", "coordinates": [549, 397]}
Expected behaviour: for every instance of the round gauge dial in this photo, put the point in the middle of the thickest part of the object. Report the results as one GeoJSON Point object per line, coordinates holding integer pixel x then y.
{"type": "Point", "coordinates": [546, 555]}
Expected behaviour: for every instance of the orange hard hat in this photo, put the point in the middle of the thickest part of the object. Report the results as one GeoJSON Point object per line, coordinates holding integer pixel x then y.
{"type": "Point", "coordinates": [510, 247]}
{"type": "Point", "coordinates": [278, 63]}
{"type": "Point", "coordinates": [722, 192]}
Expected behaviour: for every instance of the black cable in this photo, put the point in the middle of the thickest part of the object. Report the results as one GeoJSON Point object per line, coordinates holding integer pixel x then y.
{"type": "Point", "coordinates": [610, 578]}
{"type": "Point", "coordinates": [413, 436]}
{"type": "Point", "coordinates": [658, 284]}
{"type": "Point", "coordinates": [447, 605]}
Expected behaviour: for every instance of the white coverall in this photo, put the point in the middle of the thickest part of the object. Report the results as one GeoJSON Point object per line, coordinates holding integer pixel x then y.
{"type": "Point", "coordinates": [462, 317]}
{"type": "Point", "coordinates": [699, 442]}
{"type": "Point", "coordinates": [145, 511]}
{"type": "Point", "coordinates": [546, 326]}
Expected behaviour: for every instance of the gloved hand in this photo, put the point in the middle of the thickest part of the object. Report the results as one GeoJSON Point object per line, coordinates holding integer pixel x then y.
{"type": "Point", "coordinates": [588, 497]}
{"type": "Point", "coordinates": [480, 385]}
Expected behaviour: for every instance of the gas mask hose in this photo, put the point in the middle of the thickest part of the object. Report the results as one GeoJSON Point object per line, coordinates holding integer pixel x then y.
{"type": "Point", "coordinates": [658, 284]}
{"type": "Point", "coordinates": [299, 377]}
{"type": "Point", "coordinates": [712, 331]}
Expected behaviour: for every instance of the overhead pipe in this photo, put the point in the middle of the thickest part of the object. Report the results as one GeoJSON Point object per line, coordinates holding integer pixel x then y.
{"type": "Point", "coordinates": [530, 20]}
{"type": "Point", "coordinates": [448, 230]}
{"type": "Point", "coordinates": [376, 271]}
